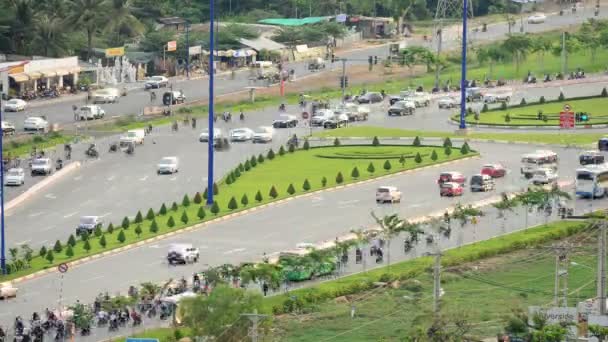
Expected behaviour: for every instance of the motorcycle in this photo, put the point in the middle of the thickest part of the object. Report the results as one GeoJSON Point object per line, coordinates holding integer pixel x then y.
{"type": "Point", "coordinates": [59, 164]}
{"type": "Point", "coordinates": [113, 147]}
{"type": "Point", "coordinates": [92, 151]}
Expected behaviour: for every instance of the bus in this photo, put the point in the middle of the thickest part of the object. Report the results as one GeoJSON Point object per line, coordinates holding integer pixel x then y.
{"type": "Point", "coordinates": [540, 159]}
{"type": "Point", "coordinates": [592, 181]}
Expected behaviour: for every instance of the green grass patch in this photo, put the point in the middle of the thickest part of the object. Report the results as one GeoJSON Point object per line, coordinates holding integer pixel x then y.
{"type": "Point", "coordinates": [20, 147]}
{"type": "Point", "coordinates": [280, 172]}
{"type": "Point", "coordinates": [563, 138]}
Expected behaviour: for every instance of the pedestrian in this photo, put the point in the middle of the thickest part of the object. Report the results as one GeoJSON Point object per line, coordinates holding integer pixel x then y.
{"type": "Point", "coordinates": [265, 289]}
{"type": "Point", "coordinates": [193, 123]}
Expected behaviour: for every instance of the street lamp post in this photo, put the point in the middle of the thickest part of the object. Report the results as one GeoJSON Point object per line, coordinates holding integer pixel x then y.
{"type": "Point", "coordinates": [211, 109]}
{"type": "Point", "coordinates": [2, 239]}
{"type": "Point", "coordinates": [463, 85]}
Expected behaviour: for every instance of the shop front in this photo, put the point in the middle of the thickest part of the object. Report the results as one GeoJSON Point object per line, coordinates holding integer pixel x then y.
{"type": "Point", "coordinates": [40, 76]}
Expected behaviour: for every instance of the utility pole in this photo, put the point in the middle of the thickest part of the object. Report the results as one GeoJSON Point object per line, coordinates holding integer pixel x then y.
{"type": "Point", "coordinates": [255, 318]}
{"type": "Point", "coordinates": [437, 283]}
{"type": "Point", "coordinates": [564, 55]}
{"type": "Point", "coordinates": [211, 104]}
{"type": "Point", "coordinates": [343, 79]}
{"type": "Point", "coordinates": [439, 43]}
{"type": "Point", "coordinates": [601, 268]}
{"type": "Point", "coordinates": [2, 237]}
{"type": "Point", "coordinates": [188, 49]}
{"type": "Point", "coordinates": [562, 261]}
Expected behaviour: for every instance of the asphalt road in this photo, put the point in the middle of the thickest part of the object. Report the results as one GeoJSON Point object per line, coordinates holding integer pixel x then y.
{"type": "Point", "coordinates": [61, 111]}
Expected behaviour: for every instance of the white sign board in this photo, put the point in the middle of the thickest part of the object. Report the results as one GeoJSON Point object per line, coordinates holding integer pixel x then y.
{"type": "Point", "coordinates": [555, 315]}
{"type": "Point", "coordinates": [341, 18]}
{"type": "Point", "coordinates": [195, 50]}
{"type": "Point", "coordinates": [301, 48]}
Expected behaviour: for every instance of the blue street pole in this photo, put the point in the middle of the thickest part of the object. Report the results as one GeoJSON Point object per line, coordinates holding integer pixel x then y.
{"type": "Point", "coordinates": [463, 77]}
{"type": "Point", "coordinates": [3, 241]}
{"type": "Point", "coordinates": [211, 115]}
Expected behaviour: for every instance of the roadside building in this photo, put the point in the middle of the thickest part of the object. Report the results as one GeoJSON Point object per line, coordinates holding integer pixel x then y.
{"type": "Point", "coordinates": [372, 27]}
{"type": "Point", "coordinates": [37, 75]}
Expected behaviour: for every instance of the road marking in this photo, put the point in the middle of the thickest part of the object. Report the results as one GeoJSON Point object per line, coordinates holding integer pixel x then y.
{"type": "Point", "coordinates": [23, 242]}
{"type": "Point", "coordinates": [173, 178]}
{"type": "Point", "coordinates": [47, 228]}
{"type": "Point", "coordinates": [232, 251]}
{"type": "Point", "coordinates": [50, 196]}
{"type": "Point", "coordinates": [348, 202]}
{"type": "Point", "coordinates": [77, 178]}
{"type": "Point", "coordinates": [106, 214]}
{"type": "Point", "coordinates": [317, 199]}
{"type": "Point", "coordinates": [70, 214]}
{"type": "Point", "coordinates": [91, 279]}
{"type": "Point", "coordinates": [154, 246]}
{"type": "Point", "coordinates": [36, 214]}
{"type": "Point", "coordinates": [111, 178]}
{"type": "Point", "coordinates": [143, 179]}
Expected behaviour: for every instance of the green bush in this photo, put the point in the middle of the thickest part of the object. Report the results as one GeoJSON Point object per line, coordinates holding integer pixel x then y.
{"type": "Point", "coordinates": [291, 148]}
{"type": "Point", "coordinates": [561, 96]}
{"type": "Point", "coordinates": [503, 106]}
{"type": "Point", "coordinates": [215, 208]}
{"type": "Point", "coordinates": [69, 252]}
{"type": "Point", "coordinates": [110, 229]}
{"type": "Point", "coordinates": [42, 251]}
{"type": "Point", "coordinates": [97, 231]}
{"type": "Point", "coordinates": [376, 141]}
{"type": "Point", "coordinates": [232, 205]}
{"type": "Point", "coordinates": [542, 100]}
{"type": "Point", "coordinates": [418, 158]}
{"type": "Point", "coordinates": [125, 223]}
{"type": "Point", "coordinates": [465, 149]}
{"type": "Point", "coordinates": [339, 178]}
{"type": "Point", "coordinates": [57, 247]}
{"type": "Point", "coordinates": [258, 197]}
{"type": "Point", "coordinates": [523, 102]}
{"type": "Point", "coordinates": [163, 210]}
{"type": "Point", "coordinates": [121, 236]}
{"type": "Point", "coordinates": [171, 222]}
{"type": "Point", "coordinates": [447, 151]}
{"type": "Point", "coordinates": [186, 201]}
{"type": "Point", "coordinates": [50, 257]}
{"type": "Point", "coordinates": [102, 241]}
{"type": "Point", "coordinates": [236, 174]}
{"type": "Point", "coordinates": [336, 142]}
{"type": "Point", "coordinates": [229, 178]}
{"type": "Point", "coordinates": [447, 142]}
{"type": "Point", "coordinates": [290, 189]}
{"type": "Point", "coordinates": [387, 165]}
{"type": "Point", "coordinates": [184, 217]}
{"type": "Point", "coordinates": [138, 230]}
{"type": "Point", "coordinates": [355, 173]}
{"type": "Point", "coordinates": [241, 167]}
{"type": "Point", "coordinates": [281, 151]}
{"type": "Point", "coordinates": [306, 145]}
{"type": "Point", "coordinates": [72, 240]}
{"type": "Point", "coordinates": [260, 159]}
{"type": "Point", "coordinates": [153, 227]}
{"type": "Point", "coordinates": [244, 200]}
{"type": "Point", "coordinates": [216, 190]}
{"type": "Point", "coordinates": [306, 185]}
{"type": "Point", "coordinates": [174, 206]}
{"type": "Point", "coordinates": [323, 181]}
{"type": "Point", "coordinates": [604, 92]}
{"type": "Point", "coordinates": [270, 155]}
{"type": "Point", "coordinates": [416, 141]}
{"type": "Point", "coordinates": [139, 218]}
{"type": "Point", "coordinates": [273, 192]}
{"type": "Point", "coordinates": [87, 246]}
{"type": "Point", "coordinates": [84, 236]}
{"type": "Point", "coordinates": [201, 213]}
{"type": "Point", "coordinates": [434, 156]}
{"type": "Point", "coordinates": [484, 108]}
{"type": "Point", "coordinates": [371, 168]}
{"type": "Point", "coordinates": [248, 164]}
{"type": "Point", "coordinates": [508, 118]}
{"type": "Point", "coordinates": [402, 160]}
{"type": "Point", "coordinates": [150, 215]}
{"type": "Point", "coordinates": [253, 161]}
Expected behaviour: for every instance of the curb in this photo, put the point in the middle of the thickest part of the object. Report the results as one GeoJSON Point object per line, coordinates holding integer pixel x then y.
{"type": "Point", "coordinates": [42, 184]}
{"type": "Point", "coordinates": [118, 250]}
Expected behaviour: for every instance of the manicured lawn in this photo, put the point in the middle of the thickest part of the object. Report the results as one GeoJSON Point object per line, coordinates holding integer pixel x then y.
{"type": "Point", "coordinates": [20, 148]}
{"type": "Point", "coordinates": [528, 115]}
{"type": "Point", "coordinates": [291, 168]}
{"type": "Point", "coordinates": [162, 334]}
{"type": "Point", "coordinates": [563, 138]}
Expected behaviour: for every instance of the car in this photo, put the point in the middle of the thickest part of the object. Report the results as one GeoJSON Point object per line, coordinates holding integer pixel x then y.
{"type": "Point", "coordinates": [451, 189]}
{"type": "Point", "coordinates": [204, 136]}
{"type": "Point", "coordinates": [392, 99]}
{"type": "Point", "coordinates": [91, 112]}
{"type": "Point", "coordinates": [354, 111]}
{"type": "Point", "coordinates": [402, 108]}
{"type": "Point", "coordinates": [241, 134]}
{"type": "Point", "coordinates": [182, 253]}
{"type": "Point", "coordinates": [156, 82]}
{"type": "Point", "coordinates": [451, 177]}
{"type": "Point", "coordinates": [369, 97]}
{"type": "Point", "coordinates": [36, 124]}
{"type": "Point", "coordinates": [388, 194]}
{"type": "Point", "coordinates": [285, 121]}
{"type": "Point", "coordinates": [41, 166]}
{"type": "Point", "coordinates": [14, 176]}
{"type": "Point", "coordinates": [173, 97]}
{"type": "Point", "coordinates": [7, 290]}
{"type": "Point", "coordinates": [448, 102]}
{"type": "Point", "coordinates": [482, 182]}
{"type": "Point", "coordinates": [8, 128]}
{"type": "Point", "coordinates": [88, 224]}
{"type": "Point", "coordinates": [320, 117]}
{"type": "Point", "coordinates": [135, 136]}
{"type": "Point", "coordinates": [494, 98]}
{"type": "Point", "coordinates": [15, 105]}
{"type": "Point", "coordinates": [473, 94]}
{"type": "Point", "coordinates": [494, 170]}
{"type": "Point", "coordinates": [336, 121]}
{"type": "Point", "coordinates": [544, 176]}
{"type": "Point", "coordinates": [263, 134]}
{"type": "Point", "coordinates": [106, 95]}
{"type": "Point", "coordinates": [420, 99]}
{"type": "Point", "coordinates": [537, 18]}
{"type": "Point", "coordinates": [168, 165]}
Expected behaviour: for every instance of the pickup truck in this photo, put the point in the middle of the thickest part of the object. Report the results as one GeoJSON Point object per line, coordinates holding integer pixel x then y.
{"type": "Point", "coordinates": [421, 99]}
{"type": "Point", "coordinates": [353, 111]}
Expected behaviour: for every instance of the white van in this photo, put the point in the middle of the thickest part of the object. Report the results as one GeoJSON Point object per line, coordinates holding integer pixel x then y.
{"type": "Point", "coordinates": [107, 95]}
{"type": "Point", "coordinates": [544, 176]}
{"type": "Point", "coordinates": [135, 135]}
{"type": "Point", "coordinates": [91, 112]}
{"type": "Point", "coordinates": [388, 194]}
{"type": "Point", "coordinates": [182, 253]}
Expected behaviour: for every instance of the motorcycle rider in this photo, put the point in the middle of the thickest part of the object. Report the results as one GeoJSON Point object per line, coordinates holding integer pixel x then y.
{"type": "Point", "coordinates": [241, 115]}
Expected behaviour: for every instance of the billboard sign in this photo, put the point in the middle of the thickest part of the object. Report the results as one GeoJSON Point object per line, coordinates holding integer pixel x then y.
{"type": "Point", "coordinates": [172, 45]}
{"type": "Point", "coordinates": [115, 52]}
{"type": "Point", "coordinates": [195, 50]}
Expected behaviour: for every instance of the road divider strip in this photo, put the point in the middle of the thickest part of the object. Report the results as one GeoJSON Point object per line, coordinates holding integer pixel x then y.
{"type": "Point", "coordinates": [73, 166]}
{"type": "Point", "coordinates": [157, 238]}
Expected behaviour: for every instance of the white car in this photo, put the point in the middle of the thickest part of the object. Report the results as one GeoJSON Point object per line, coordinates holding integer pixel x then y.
{"type": "Point", "coordinates": [15, 105]}
{"type": "Point", "coordinates": [14, 176]}
{"type": "Point", "coordinates": [537, 18]}
{"type": "Point", "coordinates": [448, 102]}
{"type": "Point", "coordinates": [107, 95]}
{"type": "Point", "coordinates": [388, 194]}
{"type": "Point", "coordinates": [41, 166]}
{"type": "Point", "coordinates": [402, 108]}
{"type": "Point", "coordinates": [241, 134]}
{"type": "Point", "coordinates": [544, 176]}
{"type": "Point", "coordinates": [182, 253]}
{"type": "Point", "coordinates": [493, 98]}
{"type": "Point", "coordinates": [35, 123]}
{"type": "Point", "coordinates": [7, 290]}
{"type": "Point", "coordinates": [7, 128]}
{"type": "Point", "coordinates": [91, 112]}
{"type": "Point", "coordinates": [263, 134]}
{"type": "Point", "coordinates": [156, 82]}
{"type": "Point", "coordinates": [285, 121]}
{"type": "Point", "coordinates": [204, 137]}
{"type": "Point", "coordinates": [168, 165]}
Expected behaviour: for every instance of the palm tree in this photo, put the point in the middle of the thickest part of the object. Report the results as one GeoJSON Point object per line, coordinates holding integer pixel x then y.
{"type": "Point", "coordinates": [88, 15]}
{"type": "Point", "coordinates": [390, 227]}
{"type": "Point", "coordinates": [19, 24]}
{"type": "Point", "coordinates": [519, 45]}
{"type": "Point", "coordinates": [505, 204]}
{"type": "Point", "coordinates": [49, 36]}
{"type": "Point", "coordinates": [362, 238]}
{"type": "Point", "coordinates": [122, 21]}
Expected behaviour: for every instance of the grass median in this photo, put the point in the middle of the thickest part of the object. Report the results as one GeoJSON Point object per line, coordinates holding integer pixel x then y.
{"type": "Point", "coordinates": [23, 146]}
{"type": "Point", "coordinates": [563, 138]}
{"type": "Point", "coordinates": [257, 180]}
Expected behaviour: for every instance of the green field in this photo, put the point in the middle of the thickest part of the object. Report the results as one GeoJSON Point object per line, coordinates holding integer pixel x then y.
{"type": "Point", "coordinates": [291, 168]}
{"type": "Point", "coordinates": [528, 115]}
{"type": "Point", "coordinates": [563, 138]}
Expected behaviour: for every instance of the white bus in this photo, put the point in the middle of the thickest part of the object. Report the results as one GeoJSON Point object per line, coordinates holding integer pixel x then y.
{"type": "Point", "coordinates": [541, 159]}
{"type": "Point", "coordinates": [592, 181]}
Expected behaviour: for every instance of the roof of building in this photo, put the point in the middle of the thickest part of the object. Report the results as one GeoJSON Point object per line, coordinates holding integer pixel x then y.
{"type": "Point", "coordinates": [7, 65]}
{"type": "Point", "coordinates": [262, 43]}
{"type": "Point", "coordinates": [171, 20]}
{"type": "Point", "coordinates": [293, 21]}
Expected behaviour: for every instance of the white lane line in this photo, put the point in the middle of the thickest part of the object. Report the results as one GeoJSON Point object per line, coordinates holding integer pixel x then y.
{"type": "Point", "coordinates": [143, 179]}
{"type": "Point", "coordinates": [105, 214]}
{"type": "Point", "coordinates": [91, 279]}
{"type": "Point", "coordinates": [23, 242]}
{"type": "Point", "coordinates": [348, 202]}
{"type": "Point", "coordinates": [50, 196]}
{"type": "Point", "coordinates": [236, 250]}
{"type": "Point", "coordinates": [36, 214]}
{"type": "Point", "coordinates": [173, 178]}
{"type": "Point", "coordinates": [70, 214]}
{"type": "Point", "coordinates": [47, 228]}
{"type": "Point", "coordinates": [77, 178]}
{"type": "Point", "coordinates": [111, 178]}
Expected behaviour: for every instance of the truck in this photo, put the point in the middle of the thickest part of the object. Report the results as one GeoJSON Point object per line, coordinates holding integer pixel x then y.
{"type": "Point", "coordinates": [135, 136]}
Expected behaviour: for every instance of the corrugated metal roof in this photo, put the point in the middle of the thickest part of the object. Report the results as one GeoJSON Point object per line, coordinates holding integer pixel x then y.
{"type": "Point", "coordinates": [262, 43]}
{"type": "Point", "coordinates": [292, 21]}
